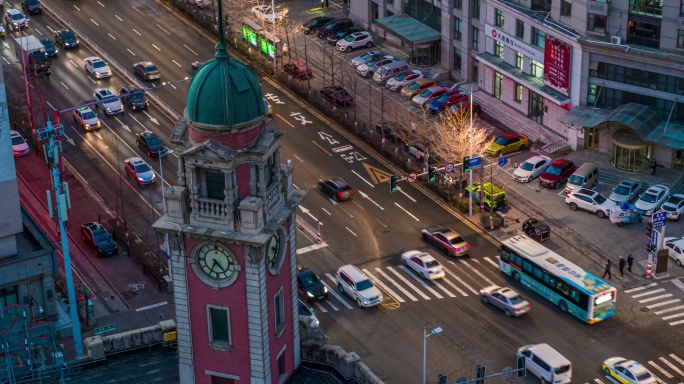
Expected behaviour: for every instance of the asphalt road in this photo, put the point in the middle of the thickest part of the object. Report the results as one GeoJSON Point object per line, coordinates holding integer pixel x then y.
{"type": "Point", "coordinates": [369, 232]}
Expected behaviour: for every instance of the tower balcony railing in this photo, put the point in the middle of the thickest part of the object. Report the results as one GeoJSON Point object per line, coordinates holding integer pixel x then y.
{"type": "Point", "coordinates": [273, 196]}
{"type": "Point", "coordinates": [211, 208]}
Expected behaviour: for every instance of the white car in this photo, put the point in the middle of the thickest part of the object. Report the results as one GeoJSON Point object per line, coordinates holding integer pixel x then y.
{"type": "Point", "coordinates": [397, 83]}
{"type": "Point", "coordinates": [423, 264]}
{"type": "Point", "coordinates": [107, 101]}
{"type": "Point", "coordinates": [355, 40]}
{"type": "Point", "coordinates": [652, 199]}
{"type": "Point", "coordinates": [15, 19]}
{"type": "Point", "coordinates": [265, 13]}
{"type": "Point", "coordinates": [675, 249]}
{"type": "Point", "coordinates": [628, 371]}
{"type": "Point", "coordinates": [97, 67]}
{"type": "Point", "coordinates": [531, 169]}
{"type": "Point", "coordinates": [674, 206]}
{"type": "Point", "coordinates": [306, 316]}
{"type": "Point", "coordinates": [589, 200]}
{"type": "Point", "coordinates": [369, 56]}
{"type": "Point", "coordinates": [626, 191]}
{"type": "Point", "coordinates": [368, 69]}
{"type": "Point", "coordinates": [19, 146]}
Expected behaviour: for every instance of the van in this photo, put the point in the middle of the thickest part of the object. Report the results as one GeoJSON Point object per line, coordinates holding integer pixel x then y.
{"type": "Point", "coordinates": [388, 71]}
{"type": "Point", "coordinates": [546, 363]}
{"type": "Point", "coordinates": [352, 282]}
{"type": "Point", "coordinates": [585, 176]}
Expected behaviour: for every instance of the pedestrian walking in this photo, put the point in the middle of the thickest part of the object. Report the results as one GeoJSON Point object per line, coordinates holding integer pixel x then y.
{"type": "Point", "coordinates": [630, 261]}
{"type": "Point", "coordinates": [653, 166]}
{"type": "Point", "coordinates": [607, 272]}
{"type": "Point", "coordinates": [621, 264]}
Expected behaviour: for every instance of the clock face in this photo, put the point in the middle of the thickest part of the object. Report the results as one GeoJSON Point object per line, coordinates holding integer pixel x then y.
{"type": "Point", "coordinates": [274, 249]}
{"type": "Point", "coordinates": [216, 261]}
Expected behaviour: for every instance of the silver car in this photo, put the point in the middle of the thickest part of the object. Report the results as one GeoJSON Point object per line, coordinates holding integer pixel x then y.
{"type": "Point", "coordinates": [506, 299]}
{"type": "Point", "coordinates": [306, 316]}
{"type": "Point", "coordinates": [427, 95]}
{"type": "Point", "coordinates": [107, 101]}
{"type": "Point", "coordinates": [626, 191]}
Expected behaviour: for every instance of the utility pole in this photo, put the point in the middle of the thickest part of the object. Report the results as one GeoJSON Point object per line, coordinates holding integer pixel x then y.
{"type": "Point", "coordinates": [470, 156]}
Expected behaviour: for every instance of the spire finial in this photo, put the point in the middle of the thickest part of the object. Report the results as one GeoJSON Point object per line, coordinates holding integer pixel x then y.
{"type": "Point", "coordinates": [221, 47]}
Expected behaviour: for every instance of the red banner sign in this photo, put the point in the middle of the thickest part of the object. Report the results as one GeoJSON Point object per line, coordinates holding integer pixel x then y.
{"type": "Point", "coordinates": [557, 62]}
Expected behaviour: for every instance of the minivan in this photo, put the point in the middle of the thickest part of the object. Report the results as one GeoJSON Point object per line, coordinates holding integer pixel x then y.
{"type": "Point", "coordinates": [352, 282]}
{"type": "Point", "coordinates": [546, 363]}
{"type": "Point", "coordinates": [388, 71]}
{"type": "Point", "coordinates": [585, 176]}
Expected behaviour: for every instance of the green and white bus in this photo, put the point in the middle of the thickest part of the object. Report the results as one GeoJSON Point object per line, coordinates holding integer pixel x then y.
{"type": "Point", "coordinates": [563, 283]}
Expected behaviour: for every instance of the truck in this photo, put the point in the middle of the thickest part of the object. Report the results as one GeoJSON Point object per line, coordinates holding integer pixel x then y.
{"type": "Point", "coordinates": [31, 54]}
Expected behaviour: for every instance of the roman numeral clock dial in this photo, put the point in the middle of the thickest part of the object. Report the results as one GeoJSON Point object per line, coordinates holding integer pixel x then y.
{"type": "Point", "coordinates": [216, 262]}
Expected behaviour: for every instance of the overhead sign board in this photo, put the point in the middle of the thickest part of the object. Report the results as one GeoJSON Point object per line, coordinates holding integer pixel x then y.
{"type": "Point", "coordinates": [475, 162]}
{"type": "Point", "coordinates": [557, 63]}
{"type": "Point", "coordinates": [659, 219]}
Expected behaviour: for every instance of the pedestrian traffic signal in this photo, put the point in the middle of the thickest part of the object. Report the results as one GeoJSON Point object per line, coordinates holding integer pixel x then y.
{"type": "Point", "coordinates": [521, 366]}
{"type": "Point", "coordinates": [432, 173]}
{"type": "Point", "coordinates": [466, 164]}
{"type": "Point", "coordinates": [650, 248]}
{"type": "Point", "coordinates": [480, 374]}
{"type": "Point", "coordinates": [649, 230]}
{"type": "Point", "coordinates": [393, 183]}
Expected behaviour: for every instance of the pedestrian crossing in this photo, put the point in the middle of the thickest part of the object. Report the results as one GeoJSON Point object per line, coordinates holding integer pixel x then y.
{"type": "Point", "coordinates": [669, 369]}
{"type": "Point", "coordinates": [464, 277]}
{"type": "Point", "coordinates": [662, 303]}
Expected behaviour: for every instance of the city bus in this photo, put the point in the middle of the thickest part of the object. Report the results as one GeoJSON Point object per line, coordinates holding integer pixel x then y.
{"type": "Point", "coordinates": [568, 286]}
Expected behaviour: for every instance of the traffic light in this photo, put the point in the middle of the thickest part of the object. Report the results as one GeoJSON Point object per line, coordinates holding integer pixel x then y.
{"type": "Point", "coordinates": [650, 248]}
{"type": "Point", "coordinates": [393, 183]}
{"type": "Point", "coordinates": [480, 374]}
{"type": "Point", "coordinates": [466, 164]}
{"type": "Point", "coordinates": [649, 230]}
{"type": "Point", "coordinates": [442, 378]}
{"type": "Point", "coordinates": [521, 366]}
{"type": "Point", "coordinates": [432, 173]}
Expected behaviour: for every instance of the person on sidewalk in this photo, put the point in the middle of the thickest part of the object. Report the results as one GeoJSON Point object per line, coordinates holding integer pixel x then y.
{"type": "Point", "coordinates": [653, 166]}
{"type": "Point", "coordinates": [630, 261]}
{"type": "Point", "coordinates": [607, 272]}
{"type": "Point", "coordinates": [621, 264]}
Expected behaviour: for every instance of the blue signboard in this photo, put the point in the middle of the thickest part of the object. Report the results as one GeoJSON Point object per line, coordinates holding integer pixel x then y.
{"type": "Point", "coordinates": [659, 219]}
{"type": "Point", "coordinates": [654, 238]}
{"type": "Point", "coordinates": [503, 161]}
{"type": "Point", "coordinates": [475, 162]}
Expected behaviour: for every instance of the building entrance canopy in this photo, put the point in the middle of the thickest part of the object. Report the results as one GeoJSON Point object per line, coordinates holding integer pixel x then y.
{"type": "Point", "coordinates": [409, 29]}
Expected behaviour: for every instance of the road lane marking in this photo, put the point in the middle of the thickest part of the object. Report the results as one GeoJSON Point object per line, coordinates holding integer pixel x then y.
{"type": "Point", "coordinates": [155, 47]}
{"type": "Point", "coordinates": [402, 278]}
{"type": "Point", "coordinates": [175, 62]}
{"type": "Point", "coordinates": [655, 298]}
{"type": "Point", "coordinates": [326, 211]}
{"type": "Point", "coordinates": [117, 16]}
{"type": "Point", "coordinates": [131, 52]}
{"type": "Point", "coordinates": [365, 196]}
{"type": "Point", "coordinates": [406, 194]}
{"type": "Point", "coordinates": [377, 174]}
{"type": "Point", "coordinates": [440, 286]}
{"type": "Point", "coordinates": [649, 293]}
{"type": "Point", "coordinates": [662, 303]}
{"type": "Point", "coordinates": [669, 310]}
{"type": "Point", "coordinates": [407, 212]}
{"type": "Point", "coordinates": [490, 261]}
{"type": "Point", "coordinates": [421, 282]}
{"type": "Point", "coordinates": [673, 316]}
{"type": "Point", "coordinates": [322, 149]}
{"type": "Point", "coordinates": [285, 120]}
{"type": "Point", "coordinates": [64, 85]}
{"type": "Point", "coordinates": [351, 231]}
{"type": "Point", "coordinates": [388, 289]}
{"type": "Point", "coordinates": [454, 286]}
{"type": "Point", "coordinates": [672, 366]}
{"type": "Point", "coordinates": [310, 248]}
{"type": "Point", "coordinates": [641, 288]}
{"type": "Point", "coordinates": [334, 292]}
{"type": "Point", "coordinates": [461, 280]}
{"type": "Point", "coordinates": [139, 34]}
{"type": "Point", "coordinates": [151, 306]}
{"type": "Point", "coordinates": [94, 22]}
{"type": "Point", "coordinates": [320, 307]}
{"type": "Point", "coordinates": [189, 49]}
{"type": "Point", "coordinates": [162, 28]}
{"type": "Point", "coordinates": [477, 272]}
{"type": "Point", "coordinates": [366, 181]}
{"type": "Point", "coordinates": [112, 36]}
{"type": "Point", "coordinates": [664, 372]}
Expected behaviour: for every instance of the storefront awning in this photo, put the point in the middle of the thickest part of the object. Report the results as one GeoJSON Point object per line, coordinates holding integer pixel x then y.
{"type": "Point", "coordinates": [584, 116]}
{"type": "Point", "coordinates": [519, 76]}
{"type": "Point", "coordinates": [408, 29]}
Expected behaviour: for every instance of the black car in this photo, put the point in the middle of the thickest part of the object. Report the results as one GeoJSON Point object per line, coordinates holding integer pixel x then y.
{"type": "Point", "coordinates": [95, 235]}
{"type": "Point", "coordinates": [32, 7]}
{"type": "Point", "coordinates": [336, 188]}
{"type": "Point", "coordinates": [309, 285]}
{"type": "Point", "coordinates": [333, 26]}
{"type": "Point", "coordinates": [337, 95]}
{"type": "Point", "coordinates": [66, 38]}
{"type": "Point", "coordinates": [315, 23]}
{"type": "Point", "coordinates": [134, 97]}
{"type": "Point", "coordinates": [341, 34]}
{"type": "Point", "coordinates": [150, 143]}
{"type": "Point", "coordinates": [50, 48]}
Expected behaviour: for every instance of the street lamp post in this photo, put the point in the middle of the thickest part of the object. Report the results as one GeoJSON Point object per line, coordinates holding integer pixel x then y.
{"type": "Point", "coordinates": [425, 336]}
{"type": "Point", "coordinates": [166, 237]}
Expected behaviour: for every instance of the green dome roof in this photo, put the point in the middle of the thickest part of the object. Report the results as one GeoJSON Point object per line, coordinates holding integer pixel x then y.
{"type": "Point", "coordinates": [224, 92]}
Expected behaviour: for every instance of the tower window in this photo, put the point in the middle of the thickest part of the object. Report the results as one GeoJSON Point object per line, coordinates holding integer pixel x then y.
{"type": "Point", "coordinates": [216, 185]}
{"type": "Point", "coordinates": [219, 325]}
{"type": "Point", "coordinates": [279, 311]}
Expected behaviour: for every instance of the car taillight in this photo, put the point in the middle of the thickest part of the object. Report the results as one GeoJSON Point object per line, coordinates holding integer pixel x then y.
{"type": "Point", "coordinates": [351, 191]}
{"type": "Point", "coordinates": [431, 271]}
{"type": "Point", "coordinates": [467, 246]}
{"type": "Point", "coordinates": [674, 213]}
{"type": "Point", "coordinates": [340, 194]}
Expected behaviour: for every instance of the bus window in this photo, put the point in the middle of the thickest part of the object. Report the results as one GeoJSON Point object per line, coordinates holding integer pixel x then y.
{"type": "Point", "coordinates": [505, 256]}
{"type": "Point", "coordinates": [527, 266]}
{"type": "Point", "coordinates": [538, 273]}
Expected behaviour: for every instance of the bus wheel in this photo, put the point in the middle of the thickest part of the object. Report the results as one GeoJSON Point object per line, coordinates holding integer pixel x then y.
{"type": "Point", "coordinates": [516, 276]}
{"type": "Point", "coordinates": [563, 306]}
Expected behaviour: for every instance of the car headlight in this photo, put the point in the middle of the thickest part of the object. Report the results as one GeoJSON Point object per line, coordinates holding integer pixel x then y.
{"type": "Point", "coordinates": [140, 178]}
{"type": "Point", "coordinates": [309, 294]}
{"type": "Point", "coordinates": [325, 289]}
{"type": "Point", "coordinates": [109, 109]}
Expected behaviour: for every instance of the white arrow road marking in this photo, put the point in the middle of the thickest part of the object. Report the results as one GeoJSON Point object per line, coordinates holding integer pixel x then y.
{"type": "Point", "coordinates": [304, 210]}
{"type": "Point", "coordinates": [407, 212]}
{"type": "Point", "coordinates": [69, 140]}
{"type": "Point", "coordinates": [124, 126]}
{"type": "Point", "coordinates": [97, 133]}
{"type": "Point", "coordinates": [371, 200]}
{"type": "Point", "coordinates": [151, 118]}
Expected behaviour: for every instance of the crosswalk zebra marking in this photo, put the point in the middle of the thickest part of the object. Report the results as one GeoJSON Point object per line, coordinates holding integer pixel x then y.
{"type": "Point", "coordinates": [649, 293]}
{"type": "Point", "coordinates": [476, 271]}
{"type": "Point", "coordinates": [334, 293]}
{"type": "Point", "coordinates": [402, 278]}
{"type": "Point", "coordinates": [490, 261]}
{"type": "Point", "coordinates": [672, 366]}
{"type": "Point", "coordinates": [673, 316]}
{"type": "Point", "coordinates": [662, 303]}
{"type": "Point", "coordinates": [677, 322]}
{"type": "Point", "coordinates": [655, 298]}
{"type": "Point", "coordinates": [669, 310]}
{"type": "Point", "coordinates": [322, 308]}
{"type": "Point", "coordinates": [664, 372]}
{"type": "Point", "coordinates": [388, 289]}
{"type": "Point", "coordinates": [676, 358]}
{"type": "Point", "coordinates": [462, 282]}
{"type": "Point", "coordinates": [454, 286]}
{"type": "Point", "coordinates": [421, 282]}
{"type": "Point", "coordinates": [641, 288]}
{"type": "Point", "coordinates": [443, 289]}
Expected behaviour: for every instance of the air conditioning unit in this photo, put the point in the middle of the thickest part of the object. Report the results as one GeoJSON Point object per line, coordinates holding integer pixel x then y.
{"type": "Point", "coordinates": [616, 40]}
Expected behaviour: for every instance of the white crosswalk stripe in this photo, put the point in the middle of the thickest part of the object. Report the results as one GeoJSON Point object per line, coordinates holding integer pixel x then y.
{"type": "Point", "coordinates": [454, 286]}
{"type": "Point", "coordinates": [641, 288]}
{"type": "Point", "coordinates": [462, 282]}
{"type": "Point", "coordinates": [672, 366]}
{"type": "Point", "coordinates": [655, 298]}
{"type": "Point", "coordinates": [476, 271]}
{"type": "Point", "coordinates": [421, 282]}
{"type": "Point", "coordinates": [440, 286]}
{"type": "Point", "coordinates": [669, 308]}
{"type": "Point", "coordinates": [649, 293]}
{"type": "Point", "coordinates": [490, 261]}
{"type": "Point", "coordinates": [388, 289]}
{"type": "Point", "coordinates": [662, 303]}
{"type": "Point", "coordinates": [662, 371]}
{"type": "Point", "coordinates": [402, 278]}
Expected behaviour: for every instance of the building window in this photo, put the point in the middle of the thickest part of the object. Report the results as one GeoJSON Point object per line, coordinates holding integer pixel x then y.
{"type": "Point", "coordinates": [281, 365]}
{"type": "Point", "coordinates": [680, 38]}
{"type": "Point", "coordinates": [8, 295]}
{"type": "Point", "coordinates": [476, 39]}
{"type": "Point", "coordinates": [498, 17]}
{"type": "Point", "coordinates": [425, 11]}
{"type": "Point", "coordinates": [458, 29]}
{"type": "Point", "coordinates": [219, 325]}
{"type": "Point", "coordinates": [646, 8]}
{"type": "Point", "coordinates": [597, 23]}
{"type": "Point", "coordinates": [216, 185]}
{"type": "Point", "coordinates": [538, 38]}
{"type": "Point", "coordinates": [457, 60]}
{"type": "Point", "coordinates": [541, 5]}
{"type": "Point", "coordinates": [375, 11]}
{"type": "Point", "coordinates": [641, 33]}
{"type": "Point", "coordinates": [388, 13]}
{"type": "Point", "coordinates": [389, 2]}
{"type": "Point", "coordinates": [517, 96]}
{"type": "Point", "coordinates": [535, 108]}
{"type": "Point", "coordinates": [681, 9]}
{"type": "Point", "coordinates": [499, 49]}
{"type": "Point", "coordinates": [475, 75]}
{"type": "Point", "coordinates": [520, 28]}
{"type": "Point", "coordinates": [640, 78]}
{"type": "Point", "coordinates": [566, 8]}
{"type": "Point", "coordinates": [458, 4]}
{"type": "Point", "coordinates": [279, 311]}
{"type": "Point", "coordinates": [497, 85]}
{"type": "Point", "coordinates": [537, 69]}
{"type": "Point", "coordinates": [519, 60]}
{"type": "Point", "coordinates": [475, 9]}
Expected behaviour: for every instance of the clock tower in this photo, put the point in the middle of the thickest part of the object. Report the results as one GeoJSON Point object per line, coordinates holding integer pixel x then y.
{"type": "Point", "coordinates": [230, 223]}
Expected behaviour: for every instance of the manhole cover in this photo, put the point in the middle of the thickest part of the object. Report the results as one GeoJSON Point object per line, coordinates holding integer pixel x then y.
{"type": "Point", "coordinates": [644, 309]}
{"type": "Point", "coordinates": [382, 232]}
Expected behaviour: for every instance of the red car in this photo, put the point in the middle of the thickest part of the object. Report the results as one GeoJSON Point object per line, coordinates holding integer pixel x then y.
{"type": "Point", "coordinates": [446, 239]}
{"type": "Point", "coordinates": [557, 173]}
{"type": "Point", "coordinates": [298, 69]}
